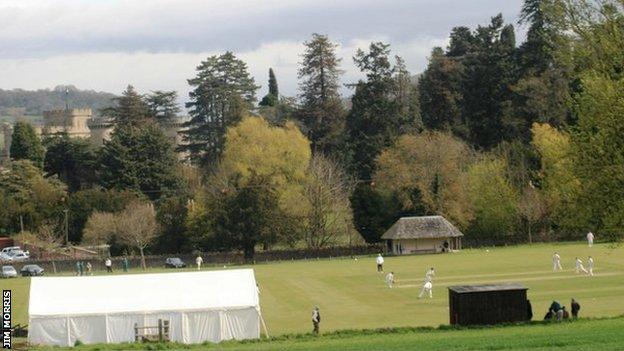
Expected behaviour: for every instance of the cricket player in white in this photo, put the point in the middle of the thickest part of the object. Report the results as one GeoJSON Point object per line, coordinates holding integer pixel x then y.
{"type": "Point", "coordinates": [427, 287]}
{"type": "Point", "coordinates": [590, 239]}
{"type": "Point", "coordinates": [429, 274]}
{"type": "Point", "coordinates": [390, 279]}
{"type": "Point", "coordinates": [199, 260]}
{"type": "Point", "coordinates": [579, 266]}
{"type": "Point", "coordinates": [380, 262]}
{"type": "Point", "coordinates": [590, 266]}
{"type": "Point", "coordinates": [557, 262]}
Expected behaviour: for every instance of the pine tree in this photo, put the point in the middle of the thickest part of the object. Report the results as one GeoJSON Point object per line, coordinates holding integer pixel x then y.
{"type": "Point", "coordinates": [25, 144]}
{"type": "Point", "coordinates": [129, 108]}
{"type": "Point", "coordinates": [222, 91]}
{"type": "Point", "coordinates": [162, 106]}
{"type": "Point", "coordinates": [489, 72]}
{"type": "Point", "coordinates": [461, 42]}
{"type": "Point", "coordinates": [375, 119]}
{"type": "Point", "coordinates": [272, 98]}
{"type": "Point", "coordinates": [321, 112]}
{"type": "Point", "coordinates": [542, 91]}
{"type": "Point", "coordinates": [72, 160]}
{"type": "Point", "coordinates": [139, 158]}
{"type": "Point", "coordinates": [537, 52]}
{"type": "Point", "coordinates": [273, 90]}
{"type": "Point", "coordinates": [441, 95]}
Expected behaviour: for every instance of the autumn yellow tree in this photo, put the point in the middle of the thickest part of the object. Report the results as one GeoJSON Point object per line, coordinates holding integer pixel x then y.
{"type": "Point", "coordinates": [493, 198]}
{"type": "Point", "coordinates": [557, 179]}
{"type": "Point", "coordinates": [433, 164]}
{"type": "Point", "coordinates": [280, 153]}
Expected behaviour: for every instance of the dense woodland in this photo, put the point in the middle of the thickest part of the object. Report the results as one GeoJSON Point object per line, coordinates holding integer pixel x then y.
{"type": "Point", "coordinates": [19, 103]}
{"type": "Point", "coordinates": [510, 141]}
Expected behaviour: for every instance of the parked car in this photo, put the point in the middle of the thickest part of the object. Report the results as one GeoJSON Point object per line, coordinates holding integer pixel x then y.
{"type": "Point", "coordinates": [31, 270]}
{"type": "Point", "coordinates": [5, 257]}
{"type": "Point", "coordinates": [7, 250]}
{"type": "Point", "coordinates": [19, 255]}
{"type": "Point", "coordinates": [8, 272]}
{"type": "Point", "coordinates": [174, 262]}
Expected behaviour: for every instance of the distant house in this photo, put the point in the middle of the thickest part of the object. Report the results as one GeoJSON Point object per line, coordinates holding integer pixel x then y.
{"type": "Point", "coordinates": [426, 234]}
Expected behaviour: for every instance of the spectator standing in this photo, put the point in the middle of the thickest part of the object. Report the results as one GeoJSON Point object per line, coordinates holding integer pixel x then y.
{"type": "Point", "coordinates": [89, 267]}
{"type": "Point", "coordinates": [80, 267]}
{"type": "Point", "coordinates": [77, 267]}
{"type": "Point", "coordinates": [575, 308]}
{"type": "Point", "coordinates": [316, 320]}
{"type": "Point", "coordinates": [380, 262]}
{"type": "Point", "coordinates": [109, 265]}
{"type": "Point", "coordinates": [199, 260]}
{"type": "Point", "coordinates": [590, 239]}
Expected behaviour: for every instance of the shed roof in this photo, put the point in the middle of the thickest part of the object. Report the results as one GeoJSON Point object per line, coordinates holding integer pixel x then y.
{"type": "Point", "coordinates": [464, 289]}
{"type": "Point", "coordinates": [422, 227]}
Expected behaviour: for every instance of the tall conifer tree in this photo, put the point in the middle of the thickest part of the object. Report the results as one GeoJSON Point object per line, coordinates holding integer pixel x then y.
{"type": "Point", "coordinates": [321, 113]}
{"type": "Point", "coordinates": [222, 91]}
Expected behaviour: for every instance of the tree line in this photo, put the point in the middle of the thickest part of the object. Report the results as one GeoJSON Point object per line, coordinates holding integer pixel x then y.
{"type": "Point", "coordinates": [18, 103]}
{"type": "Point", "coordinates": [509, 142]}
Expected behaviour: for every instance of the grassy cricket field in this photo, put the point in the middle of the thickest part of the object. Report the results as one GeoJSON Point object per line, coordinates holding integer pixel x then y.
{"type": "Point", "coordinates": [352, 295]}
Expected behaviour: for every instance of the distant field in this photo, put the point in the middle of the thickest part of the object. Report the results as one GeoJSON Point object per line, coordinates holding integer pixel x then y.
{"type": "Point", "coordinates": [351, 295]}
{"type": "Point", "coordinates": [581, 335]}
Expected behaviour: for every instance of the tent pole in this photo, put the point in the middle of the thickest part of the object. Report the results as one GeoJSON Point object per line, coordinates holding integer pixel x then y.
{"type": "Point", "coordinates": [266, 332]}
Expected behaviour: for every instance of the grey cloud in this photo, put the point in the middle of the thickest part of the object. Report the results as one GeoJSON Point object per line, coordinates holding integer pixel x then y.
{"type": "Point", "coordinates": [43, 29]}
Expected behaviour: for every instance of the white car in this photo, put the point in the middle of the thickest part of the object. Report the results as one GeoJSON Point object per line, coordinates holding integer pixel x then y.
{"type": "Point", "coordinates": [8, 272]}
{"type": "Point", "coordinates": [19, 255]}
{"type": "Point", "coordinates": [7, 250]}
{"type": "Point", "coordinates": [5, 257]}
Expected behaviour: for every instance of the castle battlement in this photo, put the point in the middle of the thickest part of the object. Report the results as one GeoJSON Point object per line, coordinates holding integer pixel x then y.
{"type": "Point", "coordinates": [62, 113]}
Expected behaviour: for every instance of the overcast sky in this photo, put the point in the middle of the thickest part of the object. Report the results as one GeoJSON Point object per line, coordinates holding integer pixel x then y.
{"type": "Point", "coordinates": [156, 44]}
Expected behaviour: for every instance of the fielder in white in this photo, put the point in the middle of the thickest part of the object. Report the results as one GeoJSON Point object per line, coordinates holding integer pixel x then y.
{"type": "Point", "coordinates": [390, 279]}
{"type": "Point", "coordinates": [590, 239]}
{"type": "Point", "coordinates": [198, 261]}
{"type": "Point", "coordinates": [579, 266]}
{"type": "Point", "coordinates": [427, 287]}
{"type": "Point", "coordinates": [557, 262]}
{"type": "Point", "coordinates": [380, 262]}
{"type": "Point", "coordinates": [429, 274]}
{"type": "Point", "coordinates": [590, 266]}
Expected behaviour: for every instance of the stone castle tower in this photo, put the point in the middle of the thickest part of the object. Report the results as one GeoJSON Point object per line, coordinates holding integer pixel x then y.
{"type": "Point", "coordinates": [74, 122]}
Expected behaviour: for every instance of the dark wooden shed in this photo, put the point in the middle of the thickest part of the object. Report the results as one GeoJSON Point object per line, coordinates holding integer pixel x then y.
{"type": "Point", "coordinates": [487, 304]}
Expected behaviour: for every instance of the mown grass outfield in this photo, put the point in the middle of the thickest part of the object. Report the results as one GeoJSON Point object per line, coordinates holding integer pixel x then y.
{"type": "Point", "coordinates": [581, 335]}
{"type": "Point", "coordinates": [352, 295]}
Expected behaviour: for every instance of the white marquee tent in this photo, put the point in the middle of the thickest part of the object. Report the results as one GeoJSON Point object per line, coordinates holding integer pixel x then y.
{"type": "Point", "coordinates": [200, 306]}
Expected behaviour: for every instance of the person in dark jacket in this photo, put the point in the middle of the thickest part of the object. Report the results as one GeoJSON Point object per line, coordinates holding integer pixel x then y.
{"type": "Point", "coordinates": [555, 306]}
{"type": "Point", "coordinates": [575, 307]}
